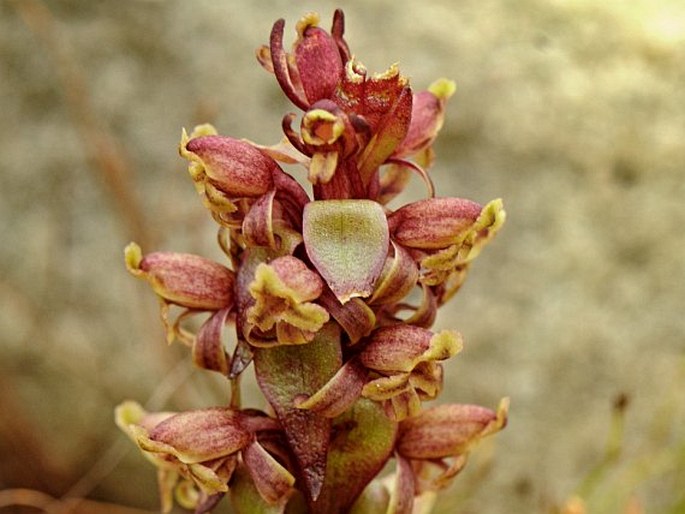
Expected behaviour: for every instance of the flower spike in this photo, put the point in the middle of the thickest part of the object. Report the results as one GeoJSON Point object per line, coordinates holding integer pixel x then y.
{"type": "Point", "coordinates": [330, 295]}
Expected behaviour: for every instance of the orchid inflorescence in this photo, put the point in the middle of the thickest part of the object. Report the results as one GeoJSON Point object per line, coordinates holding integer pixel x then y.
{"type": "Point", "coordinates": [331, 295]}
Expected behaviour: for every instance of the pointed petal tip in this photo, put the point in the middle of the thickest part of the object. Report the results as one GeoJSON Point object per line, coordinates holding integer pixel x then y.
{"type": "Point", "coordinates": [443, 88]}
{"type": "Point", "coordinates": [133, 255]}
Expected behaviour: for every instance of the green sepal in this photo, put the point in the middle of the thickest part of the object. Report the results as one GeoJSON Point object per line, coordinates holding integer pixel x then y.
{"type": "Point", "coordinates": [362, 441]}
{"type": "Point", "coordinates": [286, 373]}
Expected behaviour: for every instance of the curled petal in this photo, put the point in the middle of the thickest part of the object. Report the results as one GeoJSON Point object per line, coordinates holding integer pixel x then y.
{"type": "Point", "coordinates": [347, 241]}
{"type": "Point", "coordinates": [355, 317]}
{"type": "Point", "coordinates": [291, 196]}
{"type": "Point", "coordinates": [234, 167]}
{"type": "Point", "coordinates": [284, 151]}
{"type": "Point", "coordinates": [426, 312]}
{"type": "Point", "coordinates": [263, 54]}
{"type": "Point", "coordinates": [398, 277]}
{"type": "Point", "coordinates": [195, 167]}
{"type": "Point", "coordinates": [322, 167]}
{"type": "Point", "coordinates": [392, 182]}
{"type": "Point", "coordinates": [396, 177]}
{"type": "Point", "coordinates": [271, 479]}
{"type": "Point", "coordinates": [258, 227]}
{"type": "Point", "coordinates": [246, 498]}
{"type": "Point", "coordinates": [436, 474]}
{"type": "Point", "coordinates": [448, 430]}
{"type": "Point", "coordinates": [279, 64]}
{"type": "Point", "coordinates": [329, 137]}
{"type": "Point", "coordinates": [338, 31]}
{"type": "Point", "coordinates": [208, 349]}
{"type": "Point", "coordinates": [339, 393]}
{"type": "Point", "coordinates": [401, 347]}
{"type": "Point", "coordinates": [326, 128]}
{"type": "Point", "coordinates": [402, 406]}
{"type": "Point", "coordinates": [426, 380]}
{"type": "Point", "coordinates": [185, 492]}
{"type": "Point", "coordinates": [402, 492]}
{"type": "Point", "coordinates": [241, 358]}
{"type": "Point", "coordinates": [321, 127]}
{"type": "Point", "coordinates": [434, 223]}
{"type": "Point", "coordinates": [427, 117]}
{"type": "Point", "coordinates": [289, 278]}
{"type": "Point", "coordinates": [211, 481]}
{"type": "Point", "coordinates": [384, 388]}
{"type": "Point", "coordinates": [183, 279]}
{"type": "Point", "coordinates": [447, 267]}
{"type": "Point", "coordinates": [484, 228]}
{"type": "Point", "coordinates": [489, 222]}
{"type": "Point", "coordinates": [199, 446]}
{"type": "Point", "coordinates": [450, 285]}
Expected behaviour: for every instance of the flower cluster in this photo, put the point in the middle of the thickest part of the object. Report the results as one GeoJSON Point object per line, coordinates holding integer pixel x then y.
{"type": "Point", "coordinates": [331, 296]}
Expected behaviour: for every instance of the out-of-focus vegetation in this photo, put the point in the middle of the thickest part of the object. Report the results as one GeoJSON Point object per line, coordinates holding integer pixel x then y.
{"type": "Point", "coordinates": [572, 111]}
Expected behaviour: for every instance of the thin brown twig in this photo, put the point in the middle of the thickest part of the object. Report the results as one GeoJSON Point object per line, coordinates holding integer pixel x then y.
{"type": "Point", "coordinates": [46, 503]}
{"type": "Point", "coordinates": [103, 149]}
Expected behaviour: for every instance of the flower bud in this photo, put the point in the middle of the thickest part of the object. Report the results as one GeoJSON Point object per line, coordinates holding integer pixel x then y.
{"type": "Point", "coordinates": [183, 279]}
{"type": "Point", "coordinates": [234, 167]}
{"type": "Point", "coordinates": [318, 60]}
{"type": "Point", "coordinates": [199, 435]}
{"type": "Point", "coordinates": [433, 223]}
{"type": "Point", "coordinates": [400, 348]}
{"type": "Point", "coordinates": [449, 430]}
{"type": "Point", "coordinates": [312, 71]}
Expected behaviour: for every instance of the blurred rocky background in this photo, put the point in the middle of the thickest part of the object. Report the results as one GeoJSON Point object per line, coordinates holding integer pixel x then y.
{"type": "Point", "coordinates": [572, 111]}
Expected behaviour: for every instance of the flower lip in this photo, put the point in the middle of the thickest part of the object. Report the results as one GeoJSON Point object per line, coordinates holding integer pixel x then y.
{"type": "Point", "coordinates": [283, 291]}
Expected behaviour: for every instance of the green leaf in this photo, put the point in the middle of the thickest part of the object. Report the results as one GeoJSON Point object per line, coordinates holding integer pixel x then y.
{"type": "Point", "coordinates": [285, 373]}
{"type": "Point", "coordinates": [362, 441]}
{"type": "Point", "coordinates": [347, 241]}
